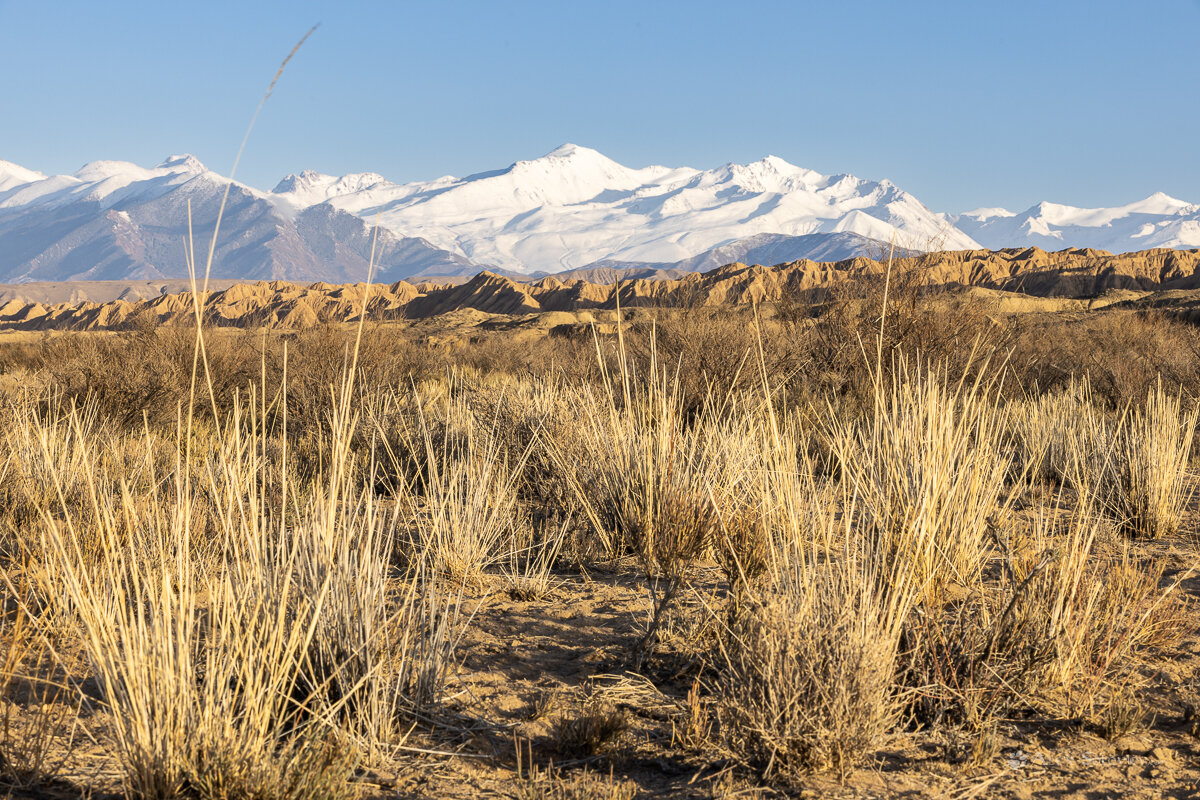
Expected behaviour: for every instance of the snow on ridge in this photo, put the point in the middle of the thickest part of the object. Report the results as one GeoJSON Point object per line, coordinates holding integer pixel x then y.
{"type": "Point", "coordinates": [15, 173]}
{"type": "Point", "coordinates": [575, 206]}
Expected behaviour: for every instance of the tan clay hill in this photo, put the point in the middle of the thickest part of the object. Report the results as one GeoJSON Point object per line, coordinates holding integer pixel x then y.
{"type": "Point", "coordinates": [1026, 273]}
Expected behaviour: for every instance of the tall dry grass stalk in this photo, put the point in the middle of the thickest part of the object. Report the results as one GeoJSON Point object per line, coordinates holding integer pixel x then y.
{"type": "Point", "coordinates": [648, 489]}
{"type": "Point", "coordinates": [245, 629]}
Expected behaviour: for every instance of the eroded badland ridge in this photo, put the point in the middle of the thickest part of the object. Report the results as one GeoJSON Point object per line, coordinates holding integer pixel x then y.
{"type": "Point", "coordinates": [1022, 275]}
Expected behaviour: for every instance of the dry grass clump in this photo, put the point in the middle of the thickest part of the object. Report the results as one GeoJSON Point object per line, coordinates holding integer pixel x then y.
{"type": "Point", "coordinates": [883, 594]}
{"type": "Point", "coordinates": [1134, 464]}
{"type": "Point", "coordinates": [39, 714]}
{"type": "Point", "coordinates": [808, 653]}
{"type": "Point", "coordinates": [647, 489]}
{"type": "Point", "coordinates": [531, 559]}
{"type": "Point", "coordinates": [1045, 428]}
{"type": "Point", "coordinates": [270, 675]}
{"type": "Point", "coordinates": [1153, 451]}
{"type": "Point", "coordinates": [930, 468]}
{"type": "Point", "coordinates": [1057, 632]}
{"type": "Point", "coordinates": [468, 510]}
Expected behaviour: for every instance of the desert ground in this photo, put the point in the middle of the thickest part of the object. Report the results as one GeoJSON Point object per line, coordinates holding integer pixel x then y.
{"type": "Point", "coordinates": [927, 529]}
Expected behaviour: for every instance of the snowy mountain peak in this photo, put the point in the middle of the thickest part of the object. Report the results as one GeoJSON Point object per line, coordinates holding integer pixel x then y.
{"type": "Point", "coordinates": [13, 176]}
{"type": "Point", "coordinates": [984, 214]}
{"type": "Point", "coordinates": [310, 187]}
{"type": "Point", "coordinates": [573, 161]}
{"type": "Point", "coordinates": [771, 174]}
{"type": "Point", "coordinates": [305, 181]}
{"type": "Point", "coordinates": [185, 162]}
{"type": "Point", "coordinates": [1158, 203]}
{"type": "Point", "coordinates": [104, 170]}
{"type": "Point", "coordinates": [571, 150]}
{"type": "Point", "coordinates": [16, 172]}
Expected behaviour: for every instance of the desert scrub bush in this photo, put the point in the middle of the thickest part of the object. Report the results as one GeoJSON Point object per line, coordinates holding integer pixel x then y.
{"type": "Point", "coordinates": [904, 309]}
{"type": "Point", "coordinates": [1123, 353]}
{"type": "Point", "coordinates": [1153, 451]}
{"type": "Point", "coordinates": [808, 655]}
{"type": "Point", "coordinates": [156, 368]}
{"type": "Point", "coordinates": [807, 684]}
{"type": "Point", "coordinates": [1060, 628]}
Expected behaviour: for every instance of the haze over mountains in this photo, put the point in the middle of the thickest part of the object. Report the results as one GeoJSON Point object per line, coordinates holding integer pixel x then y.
{"type": "Point", "coordinates": [572, 209]}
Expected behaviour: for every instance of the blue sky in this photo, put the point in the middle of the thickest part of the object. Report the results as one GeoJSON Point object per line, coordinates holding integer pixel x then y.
{"type": "Point", "coordinates": [963, 103]}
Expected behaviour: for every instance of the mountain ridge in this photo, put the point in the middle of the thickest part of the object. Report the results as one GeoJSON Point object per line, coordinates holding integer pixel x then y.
{"type": "Point", "coordinates": [569, 210]}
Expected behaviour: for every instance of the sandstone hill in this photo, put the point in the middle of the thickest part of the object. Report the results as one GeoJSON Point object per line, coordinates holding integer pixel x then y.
{"type": "Point", "coordinates": [1025, 273]}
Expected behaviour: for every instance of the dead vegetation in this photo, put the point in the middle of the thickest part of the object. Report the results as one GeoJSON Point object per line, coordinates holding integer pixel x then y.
{"type": "Point", "coordinates": [838, 530]}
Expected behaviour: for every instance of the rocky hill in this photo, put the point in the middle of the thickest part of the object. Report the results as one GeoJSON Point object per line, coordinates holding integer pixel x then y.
{"type": "Point", "coordinates": [1029, 272]}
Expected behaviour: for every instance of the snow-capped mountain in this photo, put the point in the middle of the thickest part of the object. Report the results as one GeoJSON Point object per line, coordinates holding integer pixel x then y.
{"type": "Point", "coordinates": [115, 220]}
{"type": "Point", "coordinates": [574, 206]}
{"type": "Point", "coordinates": [1157, 221]}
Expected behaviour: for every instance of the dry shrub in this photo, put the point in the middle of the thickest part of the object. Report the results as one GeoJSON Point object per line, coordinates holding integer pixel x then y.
{"type": "Point", "coordinates": [710, 352]}
{"type": "Point", "coordinates": [155, 375]}
{"type": "Point", "coordinates": [1123, 353]}
{"type": "Point", "coordinates": [902, 310]}
{"type": "Point", "coordinates": [807, 677]}
{"type": "Point", "coordinates": [591, 728]}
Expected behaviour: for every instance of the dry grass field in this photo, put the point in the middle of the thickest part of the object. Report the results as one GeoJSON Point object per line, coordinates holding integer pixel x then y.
{"type": "Point", "coordinates": [920, 548]}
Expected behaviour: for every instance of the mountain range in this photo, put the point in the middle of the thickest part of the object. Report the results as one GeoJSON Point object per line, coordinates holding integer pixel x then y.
{"type": "Point", "coordinates": [571, 210]}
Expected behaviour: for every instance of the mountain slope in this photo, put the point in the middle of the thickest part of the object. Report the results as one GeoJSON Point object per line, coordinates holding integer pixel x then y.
{"type": "Point", "coordinates": [762, 248]}
{"type": "Point", "coordinates": [574, 206]}
{"type": "Point", "coordinates": [113, 220]}
{"type": "Point", "coordinates": [1157, 221]}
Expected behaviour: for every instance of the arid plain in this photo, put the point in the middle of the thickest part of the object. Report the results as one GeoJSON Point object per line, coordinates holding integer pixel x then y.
{"type": "Point", "coordinates": [924, 527]}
